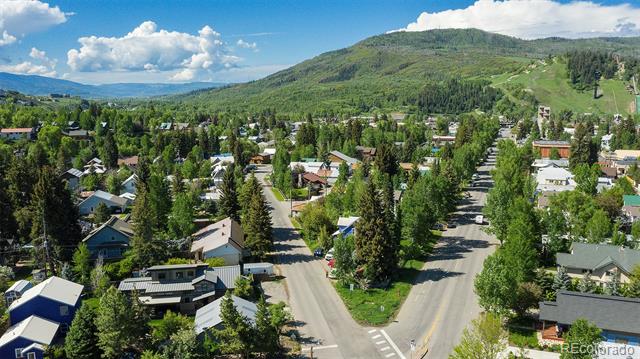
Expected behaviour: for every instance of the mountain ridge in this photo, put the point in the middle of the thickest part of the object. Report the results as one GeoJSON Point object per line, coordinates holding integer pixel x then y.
{"type": "Point", "coordinates": [40, 85]}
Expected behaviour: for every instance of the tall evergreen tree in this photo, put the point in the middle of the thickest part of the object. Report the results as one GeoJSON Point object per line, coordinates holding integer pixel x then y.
{"type": "Point", "coordinates": [81, 341]}
{"type": "Point", "coordinates": [229, 205]}
{"type": "Point", "coordinates": [237, 334]}
{"type": "Point", "coordinates": [267, 337]}
{"type": "Point", "coordinates": [146, 247]}
{"type": "Point", "coordinates": [583, 149]}
{"type": "Point", "coordinates": [118, 323]}
{"type": "Point", "coordinates": [257, 226]}
{"type": "Point", "coordinates": [109, 150]}
{"type": "Point", "coordinates": [375, 247]}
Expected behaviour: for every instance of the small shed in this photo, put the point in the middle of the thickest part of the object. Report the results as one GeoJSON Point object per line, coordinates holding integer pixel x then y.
{"type": "Point", "coordinates": [16, 291]}
{"type": "Point", "coordinates": [258, 269]}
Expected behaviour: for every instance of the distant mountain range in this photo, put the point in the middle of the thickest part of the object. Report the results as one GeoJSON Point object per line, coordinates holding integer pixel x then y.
{"type": "Point", "coordinates": [40, 85]}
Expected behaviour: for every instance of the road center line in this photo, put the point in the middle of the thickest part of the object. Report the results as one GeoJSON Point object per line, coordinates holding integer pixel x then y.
{"type": "Point", "coordinates": [393, 345]}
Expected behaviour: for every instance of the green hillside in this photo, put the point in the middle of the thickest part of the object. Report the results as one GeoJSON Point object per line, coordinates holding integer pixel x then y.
{"type": "Point", "coordinates": [388, 71]}
{"type": "Point", "coordinates": [547, 80]}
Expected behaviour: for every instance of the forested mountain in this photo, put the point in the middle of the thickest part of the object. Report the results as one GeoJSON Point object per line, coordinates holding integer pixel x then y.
{"type": "Point", "coordinates": [394, 71]}
{"type": "Point", "coordinates": [40, 85]}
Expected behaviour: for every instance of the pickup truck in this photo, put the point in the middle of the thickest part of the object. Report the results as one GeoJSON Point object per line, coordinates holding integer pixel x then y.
{"type": "Point", "coordinates": [479, 219]}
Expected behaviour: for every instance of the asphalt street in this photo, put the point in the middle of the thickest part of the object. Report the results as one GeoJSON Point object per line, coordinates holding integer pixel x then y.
{"type": "Point", "coordinates": [440, 305]}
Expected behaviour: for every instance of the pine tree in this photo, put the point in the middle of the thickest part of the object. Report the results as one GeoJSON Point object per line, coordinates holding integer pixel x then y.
{"type": "Point", "coordinates": [613, 286]}
{"type": "Point", "coordinates": [181, 220]}
{"type": "Point", "coordinates": [109, 150]}
{"type": "Point", "coordinates": [237, 334]}
{"type": "Point", "coordinates": [267, 337]}
{"type": "Point", "coordinates": [160, 201]}
{"type": "Point", "coordinates": [375, 246]}
{"type": "Point", "coordinates": [114, 323]}
{"type": "Point", "coordinates": [82, 264]}
{"type": "Point", "coordinates": [229, 198]}
{"type": "Point", "coordinates": [81, 341]}
{"type": "Point", "coordinates": [586, 284]}
{"type": "Point", "coordinates": [561, 281]}
{"type": "Point", "coordinates": [250, 187]}
{"type": "Point", "coordinates": [257, 226]}
{"type": "Point", "coordinates": [146, 248]}
{"type": "Point", "coordinates": [101, 214]}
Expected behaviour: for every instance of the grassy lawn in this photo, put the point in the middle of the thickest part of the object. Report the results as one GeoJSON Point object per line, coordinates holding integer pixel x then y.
{"type": "Point", "coordinates": [295, 223]}
{"type": "Point", "coordinates": [365, 305]}
{"type": "Point", "coordinates": [523, 338]}
{"type": "Point", "coordinates": [276, 192]}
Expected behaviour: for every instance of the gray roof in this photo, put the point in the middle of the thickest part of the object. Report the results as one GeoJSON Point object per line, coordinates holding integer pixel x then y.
{"type": "Point", "coordinates": [611, 313]}
{"type": "Point", "coordinates": [157, 287]}
{"type": "Point", "coordinates": [344, 157]}
{"type": "Point", "coordinates": [208, 276]}
{"type": "Point", "coordinates": [227, 276]}
{"type": "Point", "coordinates": [177, 266]}
{"type": "Point", "coordinates": [209, 315]}
{"type": "Point", "coordinates": [19, 286]}
{"type": "Point", "coordinates": [593, 256]}
{"type": "Point", "coordinates": [54, 288]}
{"type": "Point", "coordinates": [75, 172]}
{"type": "Point", "coordinates": [34, 328]}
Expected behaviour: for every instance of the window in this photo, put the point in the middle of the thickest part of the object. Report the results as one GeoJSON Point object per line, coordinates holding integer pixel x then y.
{"type": "Point", "coordinates": [609, 273]}
{"type": "Point", "coordinates": [31, 355]}
{"type": "Point", "coordinates": [190, 273]}
{"type": "Point", "coordinates": [179, 275]}
{"type": "Point", "coordinates": [162, 276]}
{"type": "Point", "coordinates": [19, 353]}
{"type": "Point", "coordinates": [64, 310]}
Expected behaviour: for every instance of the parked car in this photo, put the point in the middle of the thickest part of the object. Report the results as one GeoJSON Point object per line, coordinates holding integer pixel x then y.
{"type": "Point", "coordinates": [318, 252]}
{"type": "Point", "coordinates": [329, 255]}
{"type": "Point", "coordinates": [439, 227]}
{"type": "Point", "coordinates": [452, 224]}
{"type": "Point", "coordinates": [479, 219]}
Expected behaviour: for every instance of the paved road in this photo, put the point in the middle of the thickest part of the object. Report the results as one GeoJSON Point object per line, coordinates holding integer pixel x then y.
{"type": "Point", "coordinates": [438, 308]}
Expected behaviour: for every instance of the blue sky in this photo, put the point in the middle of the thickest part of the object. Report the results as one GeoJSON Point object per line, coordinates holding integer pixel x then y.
{"type": "Point", "coordinates": [201, 41]}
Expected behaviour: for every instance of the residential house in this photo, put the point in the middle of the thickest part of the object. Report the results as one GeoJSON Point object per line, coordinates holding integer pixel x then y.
{"type": "Point", "coordinates": [73, 177]}
{"type": "Point", "coordinates": [94, 165]}
{"type": "Point", "coordinates": [181, 287]}
{"type": "Point", "coordinates": [224, 158]}
{"type": "Point", "coordinates": [602, 261]}
{"type": "Point", "coordinates": [223, 239]}
{"type": "Point", "coordinates": [14, 134]}
{"type": "Point", "coordinates": [339, 157]}
{"type": "Point", "coordinates": [110, 240]}
{"type": "Point", "coordinates": [260, 158]}
{"type": "Point", "coordinates": [209, 316]}
{"type": "Point", "coordinates": [346, 226]}
{"type": "Point", "coordinates": [621, 160]}
{"type": "Point", "coordinates": [547, 147]}
{"type": "Point", "coordinates": [441, 140]}
{"type": "Point", "coordinates": [55, 299]}
{"type": "Point", "coordinates": [165, 126]}
{"type": "Point", "coordinates": [113, 202]}
{"type": "Point", "coordinates": [546, 162]}
{"type": "Point", "coordinates": [28, 338]}
{"type": "Point", "coordinates": [16, 291]}
{"type": "Point", "coordinates": [130, 162]}
{"type": "Point", "coordinates": [180, 126]}
{"type": "Point", "coordinates": [617, 317]}
{"type": "Point", "coordinates": [313, 181]}
{"type": "Point", "coordinates": [366, 153]}
{"type": "Point", "coordinates": [554, 179]}
{"type": "Point", "coordinates": [631, 207]}
{"type": "Point", "coordinates": [129, 185]}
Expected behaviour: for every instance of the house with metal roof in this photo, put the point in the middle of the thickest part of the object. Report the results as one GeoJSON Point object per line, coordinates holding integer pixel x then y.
{"type": "Point", "coordinates": [27, 338]}
{"type": "Point", "coordinates": [602, 261]}
{"type": "Point", "coordinates": [16, 291]}
{"type": "Point", "coordinates": [346, 226]}
{"type": "Point", "coordinates": [209, 316]}
{"type": "Point", "coordinates": [337, 156]}
{"type": "Point", "coordinates": [72, 176]}
{"type": "Point", "coordinates": [54, 299]}
{"type": "Point", "coordinates": [129, 185]}
{"type": "Point", "coordinates": [181, 287]}
{"type": "Point", "coordinates": [110, 240]}
{"type": "Point", "coordinates": [115, 203]}
{"type": "Point", "coordinates": [554, 179]}
{"type": "Point", "coordinates": [223, 239]}
{"type": "Point", "coordinates": [617, 317]}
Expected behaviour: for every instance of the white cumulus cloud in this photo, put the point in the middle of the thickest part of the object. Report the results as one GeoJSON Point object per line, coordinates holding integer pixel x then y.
{"type": "Point", "coordinates": [40, 65]}
{"type": "Point", "coordinates": [21, 17]}
{"type": "Point", "coordinates": [145, 48]}
{"type": "Point", "coordinates": [247, 45]}
{"type": "Point", "coordinates": [530, 19]}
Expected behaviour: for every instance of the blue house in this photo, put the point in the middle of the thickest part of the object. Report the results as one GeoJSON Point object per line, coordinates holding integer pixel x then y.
{"type": "Point", "coordinates": [16, 290]}
{"type": "Point", "coordinates": [55, 299]}
{"type": "Point", "coordinates": [27, 338]}
{"type": "Point", "coordinates": [110, 240]}
{"type": "Point", "coordinates": [113, 202]}
{"type": "Point", "coordinates": [346, 226]}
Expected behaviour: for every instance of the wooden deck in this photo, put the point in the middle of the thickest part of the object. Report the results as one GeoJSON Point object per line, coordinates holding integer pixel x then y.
{"type": "Point", "coordinates": [549, 333]}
